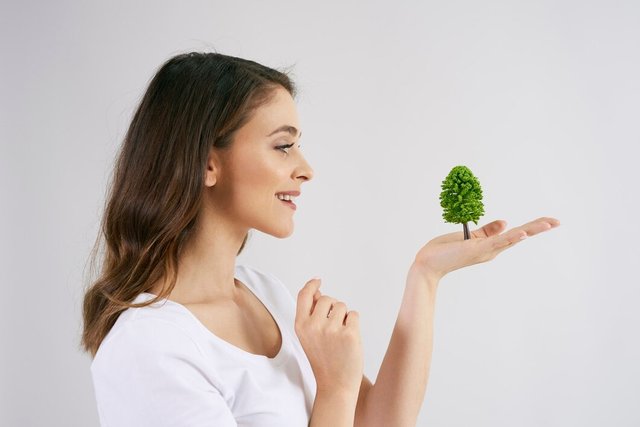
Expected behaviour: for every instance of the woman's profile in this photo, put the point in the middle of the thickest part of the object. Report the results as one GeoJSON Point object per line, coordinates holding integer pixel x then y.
{"type": "Point", "coordinates": [182, 335]}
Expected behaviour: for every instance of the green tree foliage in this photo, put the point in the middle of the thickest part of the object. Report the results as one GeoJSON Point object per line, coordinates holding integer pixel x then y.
{"type": "Point", "coordinates": [461, 197]}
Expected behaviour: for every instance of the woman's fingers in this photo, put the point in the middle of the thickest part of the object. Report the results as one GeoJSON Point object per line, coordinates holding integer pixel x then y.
{"type": "Point", "coordinates": [517, 234]}
{"type": "Point", "coordinates": [542, 224]}
{"type": "Point", "coordinates": [305, 298]}
{"type": "Point", "coordinates": [552, 222]}
{"type": "Point", "coordinates": [496, 227]}
{"type": "Point", "coordinates": [323, 305]}
{"type": "Point", "coordinates": [538, 226]}
{"type": "Point", "coordinates": [337, 309]}
{"type": "Point", "coordinates": [507, 239]}
{"type": "Point", "coordinates": [487, 230]}
{"type": "Point", "coordinates": [338, 313]}
{"type": "Point", "coordinates": [490, 229]}
{"type": "Point", "coordinates": [317, 295]}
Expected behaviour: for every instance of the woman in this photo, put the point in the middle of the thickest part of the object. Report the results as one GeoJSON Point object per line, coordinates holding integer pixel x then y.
{"type": "Point", "coordinates": [180, 334]}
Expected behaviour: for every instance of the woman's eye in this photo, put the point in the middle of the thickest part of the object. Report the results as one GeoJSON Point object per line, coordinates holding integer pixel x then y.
{"type": "Point", "coordinates": [284, 148]}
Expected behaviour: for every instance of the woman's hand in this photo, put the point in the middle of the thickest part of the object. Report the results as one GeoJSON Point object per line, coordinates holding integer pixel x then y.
{"type": "Point", "coordinates": [450, 252]}
{"type": "Point", "coordinates": [330, 337]}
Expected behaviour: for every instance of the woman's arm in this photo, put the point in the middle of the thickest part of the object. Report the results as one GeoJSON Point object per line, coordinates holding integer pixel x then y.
{"type": "Point", "coordinates": [333, 409]}
{"type": "Point", "coordinates": [396, 396]}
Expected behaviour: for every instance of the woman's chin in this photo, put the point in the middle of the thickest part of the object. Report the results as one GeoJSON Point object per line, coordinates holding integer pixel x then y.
{"type": "Point", "coordinates": [283, 233]}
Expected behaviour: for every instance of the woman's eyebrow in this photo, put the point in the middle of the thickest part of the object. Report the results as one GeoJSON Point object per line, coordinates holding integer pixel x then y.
{"type": "Point", "coordinates": [286, 128]}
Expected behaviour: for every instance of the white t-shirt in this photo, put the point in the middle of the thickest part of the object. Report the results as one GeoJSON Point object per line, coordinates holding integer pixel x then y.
{"type": "Point", "coordinates": [160, 366]}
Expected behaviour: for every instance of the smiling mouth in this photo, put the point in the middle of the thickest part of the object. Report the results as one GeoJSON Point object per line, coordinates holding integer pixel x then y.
{"type": "Point", "coordinates": [289, 203]}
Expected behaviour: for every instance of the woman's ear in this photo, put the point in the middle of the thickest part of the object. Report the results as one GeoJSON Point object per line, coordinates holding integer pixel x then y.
{"type": "Point", "coordinates": [213, 169]}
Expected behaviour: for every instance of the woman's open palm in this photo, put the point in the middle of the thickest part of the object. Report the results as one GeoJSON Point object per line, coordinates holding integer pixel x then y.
{"type": "Point", "coordinates": [450, 252]}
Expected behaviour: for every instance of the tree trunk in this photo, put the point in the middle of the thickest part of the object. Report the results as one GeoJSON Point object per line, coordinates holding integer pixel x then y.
{"type": "Point", "coordinates": [466, 231]}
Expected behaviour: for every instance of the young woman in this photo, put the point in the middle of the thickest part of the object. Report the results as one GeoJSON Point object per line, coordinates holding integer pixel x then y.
{"type": "Point", "coordinates": [179, 333]}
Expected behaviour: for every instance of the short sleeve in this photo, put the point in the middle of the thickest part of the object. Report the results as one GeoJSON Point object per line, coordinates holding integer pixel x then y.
{"type": "Point", "coordinates": [151, 373]}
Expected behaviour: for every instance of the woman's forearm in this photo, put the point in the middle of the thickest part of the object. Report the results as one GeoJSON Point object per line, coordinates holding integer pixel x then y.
{"type": "Point", "coordinates": [333, 409]}
{"type": "Point", "coordinates": [398, 392]}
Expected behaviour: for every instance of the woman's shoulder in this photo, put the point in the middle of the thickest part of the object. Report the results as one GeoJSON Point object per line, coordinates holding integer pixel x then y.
{"type": "Point", "coordinates": [168, 325]}
{"type": "Point", "coordinates": [147, 349]}
{"type": "Point", "coordinates": [159, 326]}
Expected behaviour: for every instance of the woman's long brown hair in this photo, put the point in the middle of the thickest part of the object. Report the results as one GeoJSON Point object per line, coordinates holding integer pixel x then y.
{"type": "Point", "coordinates": [194, 102]}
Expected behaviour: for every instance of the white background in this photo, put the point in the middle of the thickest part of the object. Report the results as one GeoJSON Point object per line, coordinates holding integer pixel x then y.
{"type": "Point", "coordinates": [540, 99]}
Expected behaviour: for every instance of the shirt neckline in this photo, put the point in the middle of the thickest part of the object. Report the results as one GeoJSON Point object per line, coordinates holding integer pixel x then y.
{"type": "Point", "coordinates": [278, 359]}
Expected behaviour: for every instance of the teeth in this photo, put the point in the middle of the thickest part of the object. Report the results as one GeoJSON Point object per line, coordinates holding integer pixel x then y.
{"type": "Point", "coordinates": [285, 197]}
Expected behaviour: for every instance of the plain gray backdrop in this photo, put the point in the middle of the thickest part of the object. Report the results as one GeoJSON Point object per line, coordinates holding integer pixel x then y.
{"type": "Point", "coordinates": [541, 99]}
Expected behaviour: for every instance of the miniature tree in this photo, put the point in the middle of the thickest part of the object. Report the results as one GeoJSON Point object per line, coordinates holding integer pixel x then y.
{"type": "Point", "coordinates": [461, 198]}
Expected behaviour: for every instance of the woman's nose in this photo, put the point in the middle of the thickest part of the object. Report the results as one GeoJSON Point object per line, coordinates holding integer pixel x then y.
{"type": "Point", "coordinates": [305, 170]}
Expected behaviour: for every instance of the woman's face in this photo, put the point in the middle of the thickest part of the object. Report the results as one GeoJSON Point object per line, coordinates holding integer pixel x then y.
{"type": "Point", "coordinates": [254, 170]}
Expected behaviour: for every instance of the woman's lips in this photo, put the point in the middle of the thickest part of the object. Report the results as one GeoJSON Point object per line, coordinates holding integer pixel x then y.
{"type": "Point", "coordinates": [289, 203]}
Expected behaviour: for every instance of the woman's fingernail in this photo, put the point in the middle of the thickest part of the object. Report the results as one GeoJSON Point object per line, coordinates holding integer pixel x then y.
{"type": "Point", "coordinates": [523, 237]}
